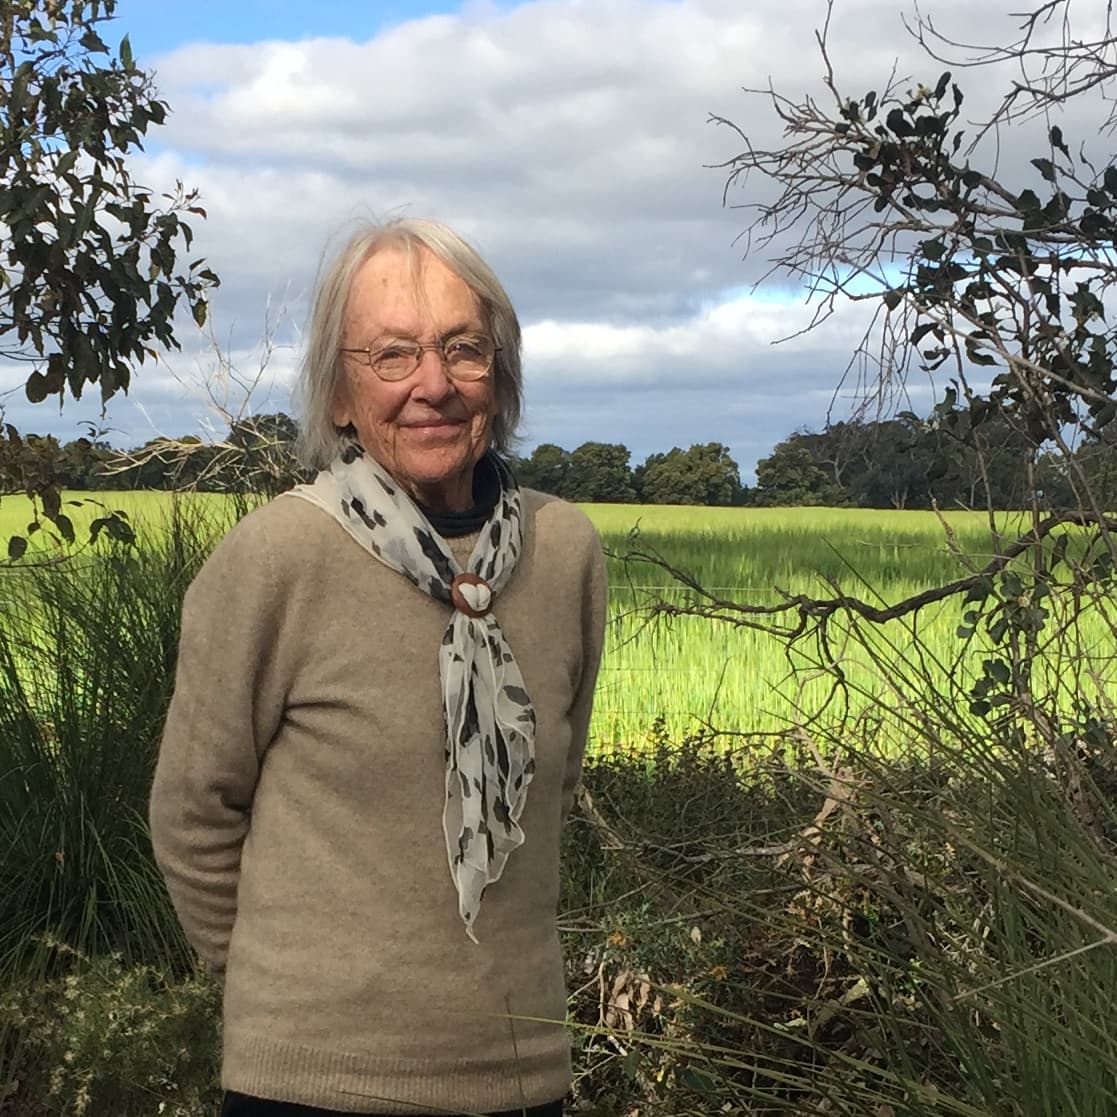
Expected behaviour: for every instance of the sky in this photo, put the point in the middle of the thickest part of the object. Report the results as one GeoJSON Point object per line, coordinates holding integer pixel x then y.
{"type": "Point", "coordinates": [569, 140]}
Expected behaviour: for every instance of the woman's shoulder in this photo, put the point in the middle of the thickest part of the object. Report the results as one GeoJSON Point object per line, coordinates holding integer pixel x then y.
{"type": "Point", "coordinates": [553, 514]}
{"type": "Point", "coordinates": [286, 529]}
{"type": "Point", "coordinates": [561, 529]}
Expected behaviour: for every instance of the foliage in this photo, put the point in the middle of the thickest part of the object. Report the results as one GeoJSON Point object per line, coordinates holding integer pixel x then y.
{"type": "Point", "coordinates": [704, 474]}
{"type": "Point", "coordinates": [910, 462]}
{"type": "Point", "coordinates": [110, 1039]}
{"type": "Point", "coordinates": [545, 469]}
{"type": "Point", "coordinates": [599, 471]}
{"type": "Point", "coordinates": [823, 929]}
{"type": "Point", "coordinates": [789, 476]}
{"type": "Point", "coordinates": [89, 273]}
{"type": "Point", "coordinates": [83, 694]}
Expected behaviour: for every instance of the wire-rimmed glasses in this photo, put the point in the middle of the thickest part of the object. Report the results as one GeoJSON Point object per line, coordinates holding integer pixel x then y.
{"type": "Point", "coordinates": [466, 357]}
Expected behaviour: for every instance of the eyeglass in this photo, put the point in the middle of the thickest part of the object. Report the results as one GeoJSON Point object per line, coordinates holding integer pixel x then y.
{"type": "Point", "coordinates": [463, 358]}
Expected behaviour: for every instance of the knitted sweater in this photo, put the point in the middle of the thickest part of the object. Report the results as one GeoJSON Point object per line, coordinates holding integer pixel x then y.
{"type": "Point", "coordinates": [296, 815]}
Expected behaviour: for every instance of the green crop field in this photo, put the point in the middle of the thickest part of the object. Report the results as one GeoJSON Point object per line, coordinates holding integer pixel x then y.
{"type": "Point", "coordinates": [690, 672]}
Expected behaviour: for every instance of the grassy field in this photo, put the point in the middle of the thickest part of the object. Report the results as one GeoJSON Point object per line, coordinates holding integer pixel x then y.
{"type": "Point", "coordinates": [688, 672]}
{"type": "Point", "coordinates": [692, 671]}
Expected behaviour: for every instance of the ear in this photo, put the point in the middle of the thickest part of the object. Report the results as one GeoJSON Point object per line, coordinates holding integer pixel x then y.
{"type": "Point", "coordinates": [341, 413]}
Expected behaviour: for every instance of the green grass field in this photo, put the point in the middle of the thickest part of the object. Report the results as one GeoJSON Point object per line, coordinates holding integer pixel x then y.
{"type": "Point", "coordinates": [690, 672]}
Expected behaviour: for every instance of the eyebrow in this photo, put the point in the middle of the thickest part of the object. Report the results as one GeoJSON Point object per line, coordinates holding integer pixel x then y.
{"type": "Point", "coordinates": [471, 326]}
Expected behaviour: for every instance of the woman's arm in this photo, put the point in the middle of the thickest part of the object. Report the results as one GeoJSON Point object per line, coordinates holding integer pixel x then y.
{"type": "Point", "coordinates": [228, 702]}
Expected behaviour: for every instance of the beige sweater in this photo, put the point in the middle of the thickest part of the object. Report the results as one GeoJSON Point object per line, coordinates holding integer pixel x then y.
{"type": "Point", "coordinates": [297, 817]}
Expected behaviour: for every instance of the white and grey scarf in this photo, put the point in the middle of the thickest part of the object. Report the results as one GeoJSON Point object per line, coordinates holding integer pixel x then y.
{"type": "Point", "coordinates": [490, 722]}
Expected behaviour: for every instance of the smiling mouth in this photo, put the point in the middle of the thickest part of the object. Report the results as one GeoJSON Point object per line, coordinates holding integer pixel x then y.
{"type": "Point", "coordinates": [434, 426]}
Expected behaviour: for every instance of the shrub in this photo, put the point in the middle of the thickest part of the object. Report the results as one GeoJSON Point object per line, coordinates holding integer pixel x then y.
{"type": "Point", "coordinates": [925, 939]}
{"type": "Point", "coordinates": [87, 652]}
{"type": "Point", "coordinates": [110, 1040]}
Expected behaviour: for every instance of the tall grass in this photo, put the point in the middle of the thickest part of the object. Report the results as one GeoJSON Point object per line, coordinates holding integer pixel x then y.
{"type": "Point", "coordinates": [87, 651]}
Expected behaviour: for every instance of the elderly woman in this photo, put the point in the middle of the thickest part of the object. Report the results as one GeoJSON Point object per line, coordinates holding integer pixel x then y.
{"type": "Point", "coordinates": [383, 690]}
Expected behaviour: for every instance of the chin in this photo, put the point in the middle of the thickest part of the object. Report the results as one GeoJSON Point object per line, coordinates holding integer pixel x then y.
{"type": "Point", "coordinates": [434, 472]}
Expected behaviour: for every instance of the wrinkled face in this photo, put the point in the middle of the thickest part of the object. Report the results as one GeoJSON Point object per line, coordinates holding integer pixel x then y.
{"type": "Point", "coordinates": [427, 431]}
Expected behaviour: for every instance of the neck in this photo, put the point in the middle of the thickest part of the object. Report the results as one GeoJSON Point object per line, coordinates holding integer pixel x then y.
{"type": "Point", "coordinates": [455, 495]}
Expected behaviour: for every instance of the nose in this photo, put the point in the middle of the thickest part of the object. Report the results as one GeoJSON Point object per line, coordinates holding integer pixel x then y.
{"type": "Point", "coordinates": [431, 382]}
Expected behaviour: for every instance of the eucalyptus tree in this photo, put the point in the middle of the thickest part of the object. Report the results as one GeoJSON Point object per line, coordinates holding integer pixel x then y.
{"type": "Point", "coordinates": [92, 267]}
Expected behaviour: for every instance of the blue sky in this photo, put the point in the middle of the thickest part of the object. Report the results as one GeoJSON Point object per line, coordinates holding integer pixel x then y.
{"type": "Point", "coordinates": [157, 26]}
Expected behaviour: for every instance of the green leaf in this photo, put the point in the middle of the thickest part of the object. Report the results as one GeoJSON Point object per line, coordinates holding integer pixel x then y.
{"type": "Point", "coordinates": [897, 122]}
{"type": "Point", "coordinates": [37, 388]}
{"type": "Point", "coordinates": [980, 590]}
{"type": "Point", "coordinates": [1045, 168]}
{"type": "Point", "coordinates": [65, 526]}
{"type": "Point", "coordinates": [998, 670]}
{"type": "Point", "coordinates": [52, 502]}
{"type": "Point", "coordinates": [199, 312]}
{"type": "Point", "coordinates": [893, 298]}
{"type": "Point", "coordinates": [92, 42]}
{"type": "Point", "coordinates": [126, 53]}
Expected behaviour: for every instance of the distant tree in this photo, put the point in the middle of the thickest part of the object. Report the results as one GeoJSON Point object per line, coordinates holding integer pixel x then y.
{"type": "Point", "coordinates": [89, 274]}
{"type": "Point", "coordinates": [891, 467]}
{"type": "Point", "coordinates": [599, 471]}
{"type": "Point", "coordinates": [83, 463]}
{"type": "Point", "coordinates": [545, 469]}
{"type": "Point", "coordinates": [704, 474]}
{"type": "Point", "coordinates": [790, 476]}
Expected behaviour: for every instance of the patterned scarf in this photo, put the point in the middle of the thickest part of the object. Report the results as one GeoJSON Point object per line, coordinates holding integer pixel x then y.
{"type": "Point", "coordinates": [490, 722]}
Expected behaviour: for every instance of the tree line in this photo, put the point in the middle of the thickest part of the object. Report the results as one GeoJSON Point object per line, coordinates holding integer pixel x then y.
{"type": "Point", "coordinates": [904, 462]}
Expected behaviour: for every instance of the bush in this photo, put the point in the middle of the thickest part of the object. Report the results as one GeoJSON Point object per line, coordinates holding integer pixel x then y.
{"type": "Point", "coordinates": [87, 652]}
{"type": "Point", "coordinates": [109, 1040]}
{"type": "Point", "coordinates": [848, 933]}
